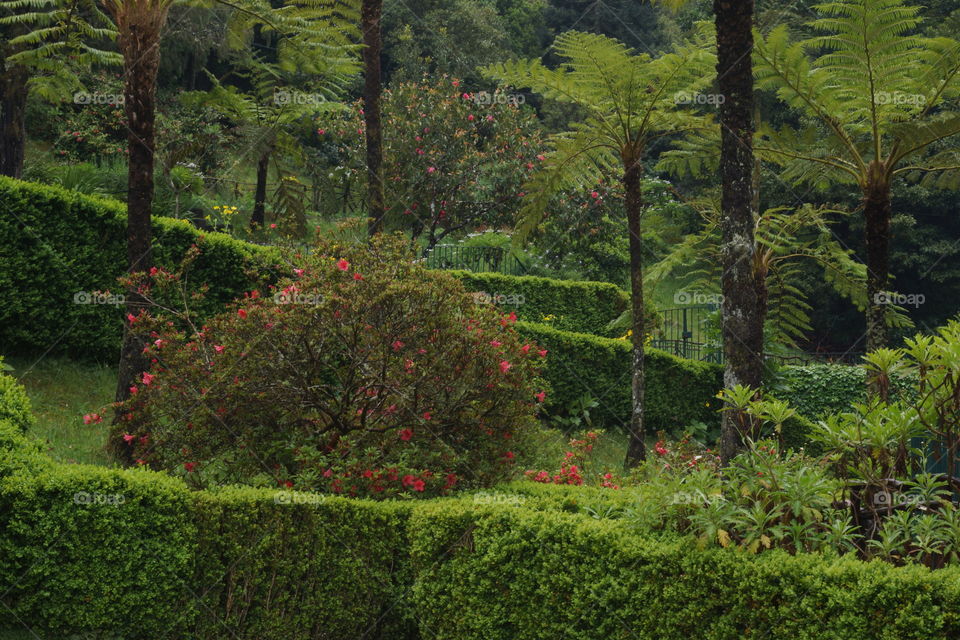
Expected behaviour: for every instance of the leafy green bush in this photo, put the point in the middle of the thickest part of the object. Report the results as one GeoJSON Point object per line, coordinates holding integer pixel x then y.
{"type": "Point", "coordinates": [365, 374]}
{"type": "Point", "coordinates": [14, 403]}
{"type": "Point", "coordinates": [584, 307]}
{"type": "Point", "coordinates": [679, 392]}
{"type": "Point", "coordinates": [508, 573]}
{"type": "Point", "coordinates": [818, 390]}
{"type": "Point", "coordinates": [58, 249]}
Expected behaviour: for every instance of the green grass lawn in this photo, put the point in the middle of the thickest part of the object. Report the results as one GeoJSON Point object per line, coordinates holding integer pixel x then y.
{"type": "Point", "coordinates": [61, 392]}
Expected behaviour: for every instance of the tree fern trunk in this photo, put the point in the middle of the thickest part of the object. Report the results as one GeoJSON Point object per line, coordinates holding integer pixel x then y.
{"type": "Point", "coordinates": [259, 216]}
{"type": "Point", "coordinates": [140, 45]}
{"type": "Point", "coordinates": [370, 23]}
{"type": "Point", "coordinates": [13, 130]}
{"type": "Point", "coordinates": [877, 210]}
{"type": "Point", "coordinates": [742, 314]}
{"type": "Point", "coordinates": [636, 448]}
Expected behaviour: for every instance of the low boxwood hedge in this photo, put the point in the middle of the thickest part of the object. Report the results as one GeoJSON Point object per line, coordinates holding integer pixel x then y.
{"type": "Point", "coordinates": [57, 247]}
{"type": "Point", "coordinates": [134, 554]}
{"type": "Point", "coordinates": [679, 392]}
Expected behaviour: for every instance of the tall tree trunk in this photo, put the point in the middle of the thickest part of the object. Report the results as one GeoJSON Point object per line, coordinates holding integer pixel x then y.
{"type": "Point", "coordinates": [636, 448]}
{"type": "Point", "coordinates": [876, 211]}
{"type": "Point", "coordinates": [139, 41]}
{"type": "Point", "coordinates": [13, 127]}
{"type": "Point", "coordinates": [372, 88]}
{"type": "Point", "coordinates": [742, 315]}
{"type": "Point", "coordinates": [259, 216]}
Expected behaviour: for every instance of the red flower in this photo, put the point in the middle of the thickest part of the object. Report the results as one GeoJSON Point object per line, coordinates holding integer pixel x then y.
{"type": "Point", "coordinates": [148, 378]}
{"type": "Point", "coordinates": [543, 353]}
{"type": "Point", "coordinates": [242, 313]}
{"type": "Point", "coordinates": [525, 349]}
{"type": "Point", "coordinates": [133, 390]}
{"type": "Point", "coordinates": [92, 418]}
{"type": "Point", "coordinates": [218, 348]}
{"type": "Point", "coordinates": [495, 343]}
{"type": "Point", "coordinates": [408, 480]}
{"type": "Point", "coordinates": [357, 276]}
{"type": "Point", "coordinates": [343, 265]}
{"type": "Point", "coordinates": [189, 466]}
{"type": "Point", "coordinates": [427, 415]}
{"type": "Point", "coordinates": [406, 434]}
{"type": "Point", "coordinates": [397, 345]}
{"type": "Point", "coordinates": [504, 366]}
{"type": "Point", "coordinates": [129, 437]}
{"type": "Point", "coordinates": [508, 455]}
{"type": "Point", "coordinates": [418, 485]}
{"type": "Point", "coordinates": [541, 396]}
{"type": "Point", "coordinates": [328, 473]}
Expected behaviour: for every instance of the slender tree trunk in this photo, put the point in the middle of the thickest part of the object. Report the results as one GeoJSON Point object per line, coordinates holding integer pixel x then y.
{"type": "Point", "coordinates": [372, 88]}
{"type": "Point", "coordinates": [259, 216]}
{"type": "Point", "coordinates": [876, 211]}
{"type": "Point", "coordinates": [636, 448]}
{"type": "Point", "coordinates": [742, 315]}
{"type": "Point", "coordinates": [139, 41]}
{"type": "Point", "coordinates": [13, 128]}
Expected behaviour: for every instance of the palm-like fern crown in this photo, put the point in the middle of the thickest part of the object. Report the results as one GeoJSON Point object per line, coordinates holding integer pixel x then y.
{"type": "Point", "coordinates": [58, 37]}
{"type": "Point", "coordinates": [629, 100]}
{"type": "Point", "coordinates": [877, 90]}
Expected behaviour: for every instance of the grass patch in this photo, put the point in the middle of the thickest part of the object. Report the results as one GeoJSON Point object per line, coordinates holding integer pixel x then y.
{"type": "Point", "coordinates": [61, 392]}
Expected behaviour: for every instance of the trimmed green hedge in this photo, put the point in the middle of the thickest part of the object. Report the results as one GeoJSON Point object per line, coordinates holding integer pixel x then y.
{"type": "Point", "coordinates": [14, 403]}
{"type": "Point", "coordinates": [509, 574]}
{"type": "Point", "coordinates": [246, 563]}
{"type": "Point", "coordinates": [56, 243]}
{"type": "Point", "coordinates": [583, 307]}
{"type": "Point", "coordinates": [819, 390]}
{"type": "Point", "coordinates": [679, 392]}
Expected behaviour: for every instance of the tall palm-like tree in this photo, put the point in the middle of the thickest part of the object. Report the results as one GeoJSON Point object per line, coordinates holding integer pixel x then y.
{"type": "Point", "coordinates": [630, 103]}
{"type": "Point", "coordinates": [875, 101]}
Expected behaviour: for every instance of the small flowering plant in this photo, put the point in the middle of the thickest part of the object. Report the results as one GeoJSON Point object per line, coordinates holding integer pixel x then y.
{"type": "Point", "coordinates": [577, 465]}
{"type": "Point", "coordinates": [360, 373]}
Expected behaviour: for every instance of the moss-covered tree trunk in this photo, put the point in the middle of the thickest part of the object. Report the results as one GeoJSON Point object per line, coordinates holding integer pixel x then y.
{"type": "Point", "coordinates": [877, 211]}
{"type": "Point", "coordinates": [139, 40]}
{"type": "Point", "coordinates": [636, 448]}
{"type": "Point", "coordinates": [259, 216]}
{"type": "Point", "coordinates": [742, 315]}
{"type": "Point", "coordinates": [372, 88]}
{"type": "Point", "coordinates": [13, 128]}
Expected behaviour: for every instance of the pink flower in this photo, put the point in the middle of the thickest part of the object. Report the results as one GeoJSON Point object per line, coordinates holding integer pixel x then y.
{"type": "Point", "coordinates": [397, 345]}
{"type": "Point", "coordinates": [328, 473]}
{"type": "Point", "coordinates": [541, 396]}
{"type": "Point", "coordinates": [129, 437]}
{"type": "Point", "coordinates": [273, 225]}
{"type": "Point", "coordinates": [357, 276]}
{"type": "Point", "coordinates": [321, 131]}
{"type": "Point", "coordinates": [242, 313]}
{"type": "Point", "coordinates": [131, 318]}
{"type": "Point", "coordinates": [495, 343]}
{"type": "Point", "coordinates": [148, 378]}
{"type": "Point", "coordinates": [218, 348]}
{"type": "Point", "coordinates": [525, 349]}
{"type": "Point", "coordinates": [543, 353]}
{"type": "Point", "coordinates": [406, 434]}
{"type": "Point", "coordinates": [431, 169]}
{"type": "Point", "coordinates": [158, 343]}
{"type": "Point", "coordinates": [508, 455]}
{"type": "Point", "coordinates": [504, 366]}
{"type": "Point", "coordinates": [133, 390]}
{"type": "Point", "coordinates": [456, 83]}
{"type": "Point", "coordinates": [298, 272]}
{"type": "Point", "coordinates": [427, 415]}
{"type": "Point", "coordinates": [92, 418]}
{"type": "Point", "coordinates": [489, 118]}
{"type": "Point", "coordinates": [342, 264]}
{"type": "Point", "coordinates": [471, 117]}
{"type": "Point", "coordinates": [594, 195]}
{"type": "Point", "coordinates": [189, 466]}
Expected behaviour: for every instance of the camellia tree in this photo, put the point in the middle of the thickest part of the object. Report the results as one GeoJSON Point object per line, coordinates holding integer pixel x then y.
{"type": "Point", "coordinates": [453, 161]}
{"type": "Point", "coordinates": [875, 102]}
{"type": "Point", "coordinates": [630, 102]}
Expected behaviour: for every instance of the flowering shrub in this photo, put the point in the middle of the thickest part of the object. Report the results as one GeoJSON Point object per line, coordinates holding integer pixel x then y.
{"type": "Point", "coordinates": [362, 374]}
{"type": "Point", "coordinates": [576, 465]}
{"type": "Point", "coordinates": [451, 162]}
